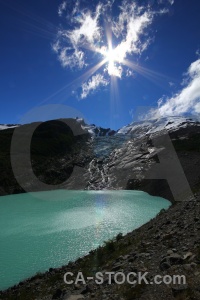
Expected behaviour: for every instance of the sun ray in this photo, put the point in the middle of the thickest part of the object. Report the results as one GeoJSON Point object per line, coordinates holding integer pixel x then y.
{"type": "Point", "coordinates": [115, 103]}
{"type": "Point", "coordinates": [34, 23]}
{"type": "Point", "coordinates": [156, 77]}
{"type": "Point", "coordinates": [114, 90]}
{"type": "Point", "coordinates": [38, 31]}
{"type": "Point", "coordinates": [108, 35]}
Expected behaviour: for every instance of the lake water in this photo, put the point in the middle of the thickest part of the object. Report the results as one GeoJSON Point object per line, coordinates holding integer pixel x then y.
{"type": "Point", "coordinates": [48, 229]}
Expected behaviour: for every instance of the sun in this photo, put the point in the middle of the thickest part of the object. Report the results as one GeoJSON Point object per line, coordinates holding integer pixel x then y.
{"type": "Point", "coordinates": [113, 55]}
{"type": "Point", "coordinates": [110, 55]}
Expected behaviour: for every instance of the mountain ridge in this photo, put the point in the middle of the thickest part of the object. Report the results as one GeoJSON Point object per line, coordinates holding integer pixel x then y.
{"type": "Point", "coordinates": [74, 155]}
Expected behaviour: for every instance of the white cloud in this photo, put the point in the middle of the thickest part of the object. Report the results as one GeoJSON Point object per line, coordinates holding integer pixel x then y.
{"type": "Point", "coordinates": [62, 8]}
{"type": "Point", "coordinates": [87, 36]}
{"type": "Point", "coordinates": [171, 2]}
{"type": "Point", "coordinates": [75, 59]}
{"type": "Point", "coordinates": [88, 31]}
{"type": "Point", "coordinates": [114, 70]}
{"type": "Point", "coordinates": [131, 24]}
{"type": "Point", "coordinates": [70, 43]}
{"type": "Point", "coordinates": [129, 73]}
{"type": "Point", "coordinates": [90, 86]}
{"type": "Point", "coordinates": [186, 100]}
{"type": "Point", "coordinates": [198, 52]}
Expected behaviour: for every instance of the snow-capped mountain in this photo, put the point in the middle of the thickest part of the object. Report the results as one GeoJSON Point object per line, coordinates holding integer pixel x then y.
{"type": "Point", "coordinates": [141, 128]}
{"type": "Point", "coordinates": [98, 131]}
{"type": "Point", "coordinates": [130, 151]}
{"type": "Point", "coordinates": [138, 129]}
{"type": "Point", "coordinates": [135, 129]}
{"type": "Point", "coordinates": [106, 140]}
{"type": "Point", "coordinates": [105, 159]}
{"type": "Point", "coordinates": [94, 130]}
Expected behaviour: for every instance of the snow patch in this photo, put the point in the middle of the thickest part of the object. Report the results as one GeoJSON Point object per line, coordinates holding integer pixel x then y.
{"type": "Point", "coordinates": [5, 126]}
{"type": "Point", "coordinates": [141, 128]}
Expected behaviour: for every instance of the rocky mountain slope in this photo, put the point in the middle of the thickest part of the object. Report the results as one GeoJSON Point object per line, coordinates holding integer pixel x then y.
{"type": "Point", "coordinates": [122, 160]}
{"type": "Point", "coordinates": [81, 156]}
{"type": "Point", "coordinates": [94, 159]}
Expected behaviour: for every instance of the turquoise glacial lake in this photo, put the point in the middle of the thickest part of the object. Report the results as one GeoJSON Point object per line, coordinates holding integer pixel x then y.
{"type": "Point", "coordinates": [49, 229]}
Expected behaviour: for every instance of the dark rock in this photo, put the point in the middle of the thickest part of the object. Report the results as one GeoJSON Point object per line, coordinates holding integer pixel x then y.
{"type": "Point", "coordinates": [170, 252]}
{"type": "Point", "coordinates": [86, 290]}
{"type": "Point", "coordinates": [176, 259]}
{"type": "Point", "coordinates": [164, 266]}
{"type": "Point", "coordinates": [57, 294]}
{"type": "Point", "coordinates": [116, 267]}
{"type": "Point", "coordinates": [132, 259]}
{"type": "Point", "coordinates": [179, 290]}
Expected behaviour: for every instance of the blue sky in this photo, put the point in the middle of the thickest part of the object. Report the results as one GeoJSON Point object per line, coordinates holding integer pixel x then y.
{"type": "Point", "coordinates": [148, 54]}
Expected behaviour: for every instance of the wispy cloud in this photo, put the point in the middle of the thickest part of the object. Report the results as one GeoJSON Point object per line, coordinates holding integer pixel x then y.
{"type": "Point", "coordinates": [93, 34]}
{"type": "Point", "coordinates": [186, 100]}
{"type": "Point", "coordinates": [198, 52]}
{"type": "Point", "coordinates": [171, 2]}
{"type": "Point", "coordinates": [87, 31]}
{"type": "Point", "coordinates": [92, 84]}
{"type": "Point", "coordinates": [171, 83]}
{"type": "Point", "coordinates": [70, 43]}
{"type": "Point", "coordinates": [129, 73]}
{"type": "Point", "coordinates": [130, 25]}
{"type": "Point", "coordinates": [62, 8]}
